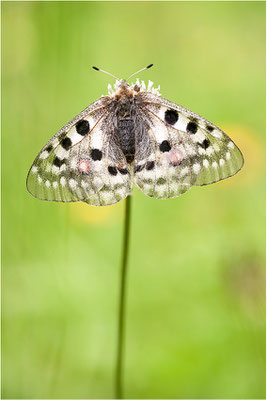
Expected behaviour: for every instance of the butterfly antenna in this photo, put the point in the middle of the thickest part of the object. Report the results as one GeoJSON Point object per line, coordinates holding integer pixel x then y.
{"type": "Point", "coordinates": [149, 66]}
{"type": "Point", "coordinates": [107, 73]}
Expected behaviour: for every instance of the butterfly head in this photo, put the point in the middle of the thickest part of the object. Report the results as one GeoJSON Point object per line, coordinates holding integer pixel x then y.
{"type": "Point", "coordinates": [123, 88]}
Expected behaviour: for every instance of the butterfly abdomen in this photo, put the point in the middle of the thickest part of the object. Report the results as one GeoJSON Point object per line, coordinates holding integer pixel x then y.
{"type": "Point", "coordinates": [126, 138]}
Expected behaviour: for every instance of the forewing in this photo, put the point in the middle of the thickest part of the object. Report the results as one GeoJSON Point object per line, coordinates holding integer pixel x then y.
{"type": "Point", "coordinates": [217, 155]}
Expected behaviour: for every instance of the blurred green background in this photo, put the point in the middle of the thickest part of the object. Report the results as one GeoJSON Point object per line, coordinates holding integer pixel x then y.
{"type": "Point", "coordinates": [196, 289]}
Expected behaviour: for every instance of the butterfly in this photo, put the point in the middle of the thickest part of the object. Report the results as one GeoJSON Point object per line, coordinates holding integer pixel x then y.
{"type": "Point", "coordinates": [131, 136]}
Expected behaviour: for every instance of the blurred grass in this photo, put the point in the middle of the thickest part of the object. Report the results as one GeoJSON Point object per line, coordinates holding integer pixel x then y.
{"type": "Point", "coordinates": [196, 314]}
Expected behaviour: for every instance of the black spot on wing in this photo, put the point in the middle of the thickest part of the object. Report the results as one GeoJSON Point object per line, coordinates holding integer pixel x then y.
{"type": "Point", "coordinates": [66, 143]}
{"type": "Point", "coordinates": [82, 127]}
{"type": "Point", "coordinates": [150, 165]}
{"type": "Point", "coordinates": [165, 146]}
{"type": "Point", "coordinates": [58, 162]}
{"type": "Point", "coordinates": [191, 127]}
{"type": "Point", "coordinates": [112, 170]}
{"type": "Point", "coordinates": [209, 128]}
{"type": "Point", "coordinates": [171, 116]}
{"type": "Point", "coordinates": [49, 148]}
{"type": "Point", "coordinates": [205, 144]}
{"type": "Point", "coordinates": [123, 171]}
{"type": "Point", "coordinates": [96, 154]}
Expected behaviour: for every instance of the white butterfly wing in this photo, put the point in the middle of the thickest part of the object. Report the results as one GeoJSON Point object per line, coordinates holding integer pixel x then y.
{"type": "Point", "coordinates": [169, 168]}
{"type": "Point", "coordinates": [209, 155]}
{"type": "Point", "coordinates": [77, 164]}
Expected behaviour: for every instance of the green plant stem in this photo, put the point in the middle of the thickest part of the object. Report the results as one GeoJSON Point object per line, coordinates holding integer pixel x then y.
{"type": "Point", "coordinates": [121, 320]}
